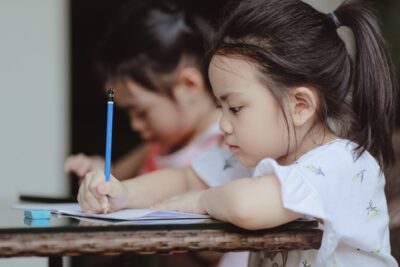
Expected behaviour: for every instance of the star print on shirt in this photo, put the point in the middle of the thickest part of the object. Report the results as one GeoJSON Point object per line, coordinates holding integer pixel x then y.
{"type": "Point", "coordinates": [376, 250]}
{"type": "Point", "coordinates": [315, 170]}
{"type": "Point", "coordinates": [278, 259]}
{"type": "Point", "coordinates": [359, 175]}
{"type": "Point", "coordinates": [372, 210]}
{"type": "Point", "coordinates": [229, 162]}
{"type": "Point", "coordinates": [305, 264]}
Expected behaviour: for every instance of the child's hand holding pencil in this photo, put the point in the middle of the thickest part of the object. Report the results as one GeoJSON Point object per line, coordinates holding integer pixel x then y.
{"type": "Point", "coordinates": [100, 191]}
{"type": "Point", "coordinates": [98, 196]}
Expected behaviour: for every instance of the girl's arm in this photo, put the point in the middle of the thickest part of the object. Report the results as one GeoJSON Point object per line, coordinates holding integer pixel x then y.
{"type": "Point", "coordinates": [126, 167]}
{"type": "Point", "coordinates": [248, 203]}
{"type": "Point", "coordinates": [96, 196]}
{"type": "Point", "coordinates": [130, 164]}
{"type": "Point", "coordinates": [149, 189]}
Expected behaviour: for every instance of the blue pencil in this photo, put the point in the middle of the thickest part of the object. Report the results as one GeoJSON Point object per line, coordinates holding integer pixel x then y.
{"type": "Point", "coordinates": [110, 107]}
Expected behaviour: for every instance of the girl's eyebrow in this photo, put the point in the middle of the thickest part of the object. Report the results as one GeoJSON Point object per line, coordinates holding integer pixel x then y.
{"type": "Point", "coordinates": [224, 97]}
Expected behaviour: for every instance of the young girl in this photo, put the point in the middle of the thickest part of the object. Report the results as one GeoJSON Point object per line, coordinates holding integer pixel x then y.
{"type": "Point", "coordinates": [315, 125]}
{"type": "Point", "coordinates": [152, 56]}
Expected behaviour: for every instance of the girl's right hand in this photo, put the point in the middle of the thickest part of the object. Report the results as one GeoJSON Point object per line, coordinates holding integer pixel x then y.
{"type": "Point", "coordinates": [98, 196]}
{"type": "Point", "coordinates": [81, 164]}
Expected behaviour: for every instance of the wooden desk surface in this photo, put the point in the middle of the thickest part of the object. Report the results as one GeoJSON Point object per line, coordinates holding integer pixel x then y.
{"type": "Point", "coordinates": [65, 236]}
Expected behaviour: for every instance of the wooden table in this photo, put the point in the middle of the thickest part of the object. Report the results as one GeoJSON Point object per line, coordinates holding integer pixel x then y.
{"type": "Point", "coordinates": [66, 236]}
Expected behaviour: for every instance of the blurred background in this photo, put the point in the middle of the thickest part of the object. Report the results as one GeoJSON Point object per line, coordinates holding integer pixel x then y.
{"type": "Point", "coordinates": [52, 100]}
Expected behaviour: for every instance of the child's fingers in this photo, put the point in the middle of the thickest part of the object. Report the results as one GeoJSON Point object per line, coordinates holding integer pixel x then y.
{"type": "Point", "coordinates": [81, 200]}
{"type": "Point", "coordinates": [79, 164]}
{"type": "Point", "coordinates": [104, 204]}
{"type": "Point", "coordinates": [92, 187]}
{"type": "Point", "coordinates": [113, 188]}
{"type": "Point", "coordinates": [85, 166]}
{"type": "Point", "coordinates": [75, 168]}
{"type": "Point", "coordinates": [81, 168]}
{"type": "Point", "coordinates": [92, 180]}
{"type": "Point", "coordinates": [101, 196]}
{"type": "Point", "coordinates": [87, 200]}
{"type": "Point", "coordinates": [69, 164]}
{"type": "Point", "coordinates": [93, 203]}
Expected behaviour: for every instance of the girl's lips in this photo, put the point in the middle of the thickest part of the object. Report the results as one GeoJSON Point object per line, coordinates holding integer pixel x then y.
{"type": "Point", "coordinates": [233, 148]}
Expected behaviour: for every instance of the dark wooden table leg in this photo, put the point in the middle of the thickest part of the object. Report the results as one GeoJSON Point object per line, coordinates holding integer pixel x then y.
{"type": "Point", "coordinates": [55, 261]}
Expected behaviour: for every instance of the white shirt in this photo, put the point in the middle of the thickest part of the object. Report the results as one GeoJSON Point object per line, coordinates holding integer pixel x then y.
{"type": "Point", "coordinates": [217, 167]}
{"type": "Point", "coordinates": [331, 184]}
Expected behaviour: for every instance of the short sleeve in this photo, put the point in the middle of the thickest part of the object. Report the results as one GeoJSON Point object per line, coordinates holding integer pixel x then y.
{"type": "Point", "coordinates": [298, 194]}
{"type": "Point", "coordinates": [218, 166]}
{"type": "Point", "coordinates": [347, 193]}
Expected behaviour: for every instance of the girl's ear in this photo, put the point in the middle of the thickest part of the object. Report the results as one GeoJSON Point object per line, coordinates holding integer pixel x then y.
{"type": "Point", "coordinates": [303, 105]}
{"type": "Point", "coordinates": [190, 78]}
{"type": "Point", "coordinates": [189, 84]}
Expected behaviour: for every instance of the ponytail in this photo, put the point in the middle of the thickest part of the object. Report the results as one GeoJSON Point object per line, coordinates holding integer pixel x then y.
{"type": "Point", "coordinates": [374, 85]}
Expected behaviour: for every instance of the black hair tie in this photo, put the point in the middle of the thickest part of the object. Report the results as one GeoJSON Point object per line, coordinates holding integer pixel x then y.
{"type": "Point", "coordinates": [335, 19]}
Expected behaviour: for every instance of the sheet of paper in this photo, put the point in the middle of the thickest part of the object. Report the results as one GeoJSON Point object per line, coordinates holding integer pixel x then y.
{"type": "Point", "coordinates": [126, 215]}
{"type": "Point", "coordinates": [85, 221]}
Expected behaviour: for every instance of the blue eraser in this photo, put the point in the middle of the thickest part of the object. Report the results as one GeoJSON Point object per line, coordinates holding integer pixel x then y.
{"type": "Point", "coordinates": [37, 214]}
{"type": "Point", "coordinates": [37, 223]}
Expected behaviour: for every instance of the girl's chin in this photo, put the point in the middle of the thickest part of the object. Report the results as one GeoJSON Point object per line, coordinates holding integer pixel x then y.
{"type": "Point", "coordinates": [246, 162]}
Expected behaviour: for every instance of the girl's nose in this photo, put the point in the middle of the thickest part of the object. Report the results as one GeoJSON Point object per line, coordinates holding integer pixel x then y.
{"type": "Point", "coordinates": [224, 125]}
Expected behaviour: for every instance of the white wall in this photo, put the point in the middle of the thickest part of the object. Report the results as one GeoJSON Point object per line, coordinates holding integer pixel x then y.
{"type": "Point", "coordinates": [328, 6]}
{"type": "Point", "coordinates": [34, 101]}
{"type": "Point", "coordinates": [325, 6]}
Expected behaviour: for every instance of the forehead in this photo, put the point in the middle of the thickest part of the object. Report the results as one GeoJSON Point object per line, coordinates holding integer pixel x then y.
{"type": "Point", "coordinates": [232, 75]}
{"type": "Point", "coordinates": [129, 94]}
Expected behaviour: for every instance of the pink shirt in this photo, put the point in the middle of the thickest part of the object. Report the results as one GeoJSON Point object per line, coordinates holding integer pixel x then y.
{"type": "Point", "coordinates": [183, 157]}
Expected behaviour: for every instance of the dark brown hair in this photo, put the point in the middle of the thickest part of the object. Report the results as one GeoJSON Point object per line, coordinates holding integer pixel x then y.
{"type": "Point", "coordinates": [293, 44]}
{"type": "Point", "coordinates": [147, 40]}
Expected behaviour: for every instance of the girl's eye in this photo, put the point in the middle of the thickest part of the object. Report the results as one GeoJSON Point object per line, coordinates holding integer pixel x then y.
{"type": "Point", "coordinates": [218, 105]}
{"type": "Point", "coordinates": [235, 110]}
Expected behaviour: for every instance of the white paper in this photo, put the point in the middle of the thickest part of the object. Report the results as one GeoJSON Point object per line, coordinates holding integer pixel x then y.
{"type": "Point", "coordinates": [126, 215]}
{"type": "Point", "coordinates": [85, 221]}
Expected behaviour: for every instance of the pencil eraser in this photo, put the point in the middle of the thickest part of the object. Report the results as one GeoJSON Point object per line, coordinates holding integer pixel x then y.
{"type": "Point", "coordinates": [37, 214]}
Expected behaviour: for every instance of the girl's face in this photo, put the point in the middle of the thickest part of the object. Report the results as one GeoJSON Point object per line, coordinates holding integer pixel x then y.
{"type": "Point", "coordinates": [252, 121]}
{"type": "Point", "coordinates": [157, 118]}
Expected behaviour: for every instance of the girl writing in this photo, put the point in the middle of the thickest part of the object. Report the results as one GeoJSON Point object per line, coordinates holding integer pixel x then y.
{"type": "Point", "coordinates": [152, 56]}
{"type": "Point", "coordinates": [315, 125]}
